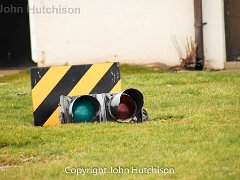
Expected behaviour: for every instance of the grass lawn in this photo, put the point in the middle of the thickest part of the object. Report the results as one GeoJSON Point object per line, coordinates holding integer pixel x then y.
{"type": "Point", "coordinates": [194, 128]}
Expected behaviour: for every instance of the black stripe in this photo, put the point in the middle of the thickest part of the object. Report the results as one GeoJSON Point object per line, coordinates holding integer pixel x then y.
{"type": "Point", "coordinates": [64, 87]}
{"type": "Point", "coordinates": [37, 74]}
{"type": "Point", "coordinates": [108, 81]}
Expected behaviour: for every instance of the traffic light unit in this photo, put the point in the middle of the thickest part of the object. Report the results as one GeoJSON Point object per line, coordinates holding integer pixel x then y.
{"type": "Point", "coordinates": [126, 106]}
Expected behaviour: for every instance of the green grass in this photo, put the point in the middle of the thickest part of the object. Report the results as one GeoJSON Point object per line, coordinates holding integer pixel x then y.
{"type": "Point", "coordinates": [194, 128]}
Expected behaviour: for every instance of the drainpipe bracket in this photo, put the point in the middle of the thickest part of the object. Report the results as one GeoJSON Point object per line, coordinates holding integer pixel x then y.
{"type": "Point", "coordinates": [200, 25]}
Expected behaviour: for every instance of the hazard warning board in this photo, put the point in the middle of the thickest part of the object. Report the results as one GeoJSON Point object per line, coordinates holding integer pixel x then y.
{"type": "Point", "coordinates": [49, 83]}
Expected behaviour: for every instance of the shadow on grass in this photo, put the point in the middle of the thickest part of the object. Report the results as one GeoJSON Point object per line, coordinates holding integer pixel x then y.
{"type": "Point", "coordinates": [169, 118]}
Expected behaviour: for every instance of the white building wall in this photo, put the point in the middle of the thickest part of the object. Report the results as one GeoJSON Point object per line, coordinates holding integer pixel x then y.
{"type": "Point", "coordinates": [131, 31]}
{"type": "Point", "coordinates": [214, 33]}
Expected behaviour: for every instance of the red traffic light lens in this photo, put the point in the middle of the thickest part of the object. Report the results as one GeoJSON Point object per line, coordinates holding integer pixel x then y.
{"type": "Point", "coordinates": [126, 108]}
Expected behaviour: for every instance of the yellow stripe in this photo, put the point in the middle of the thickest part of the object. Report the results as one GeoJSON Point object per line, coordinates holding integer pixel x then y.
{"type": "Point", "coordinates": [117, 88]}
{"type": "Point", "coordinates": [84, 86]}
{"type": "Point", "coordinates": [47, 83]}
{"type": "Point", "coordinates": [90, 79]}
{"type": "Point", "coordinates": [53, 119]}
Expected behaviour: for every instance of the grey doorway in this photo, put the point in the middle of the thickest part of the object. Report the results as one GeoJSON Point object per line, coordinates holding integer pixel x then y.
{"type": "Point", "coordinates": [232, 27]}
{"type": "Point", "coordinates": [15, 45]}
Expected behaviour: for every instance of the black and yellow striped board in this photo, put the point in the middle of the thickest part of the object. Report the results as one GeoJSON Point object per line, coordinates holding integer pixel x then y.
{"type": "Point", "coordinates": [49, 83]}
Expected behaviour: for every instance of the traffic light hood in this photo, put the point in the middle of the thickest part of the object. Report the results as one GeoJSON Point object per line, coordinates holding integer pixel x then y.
{"type": "Point", "coordinates": [125, 105]}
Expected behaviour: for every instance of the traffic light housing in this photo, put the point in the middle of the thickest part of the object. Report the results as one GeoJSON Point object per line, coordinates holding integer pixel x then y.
{"type": "Point", "coordinates": [126, 106]}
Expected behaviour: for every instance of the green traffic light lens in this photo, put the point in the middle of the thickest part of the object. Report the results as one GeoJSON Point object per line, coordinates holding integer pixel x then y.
{"type": "Point", "coordinates": [83, 110]}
